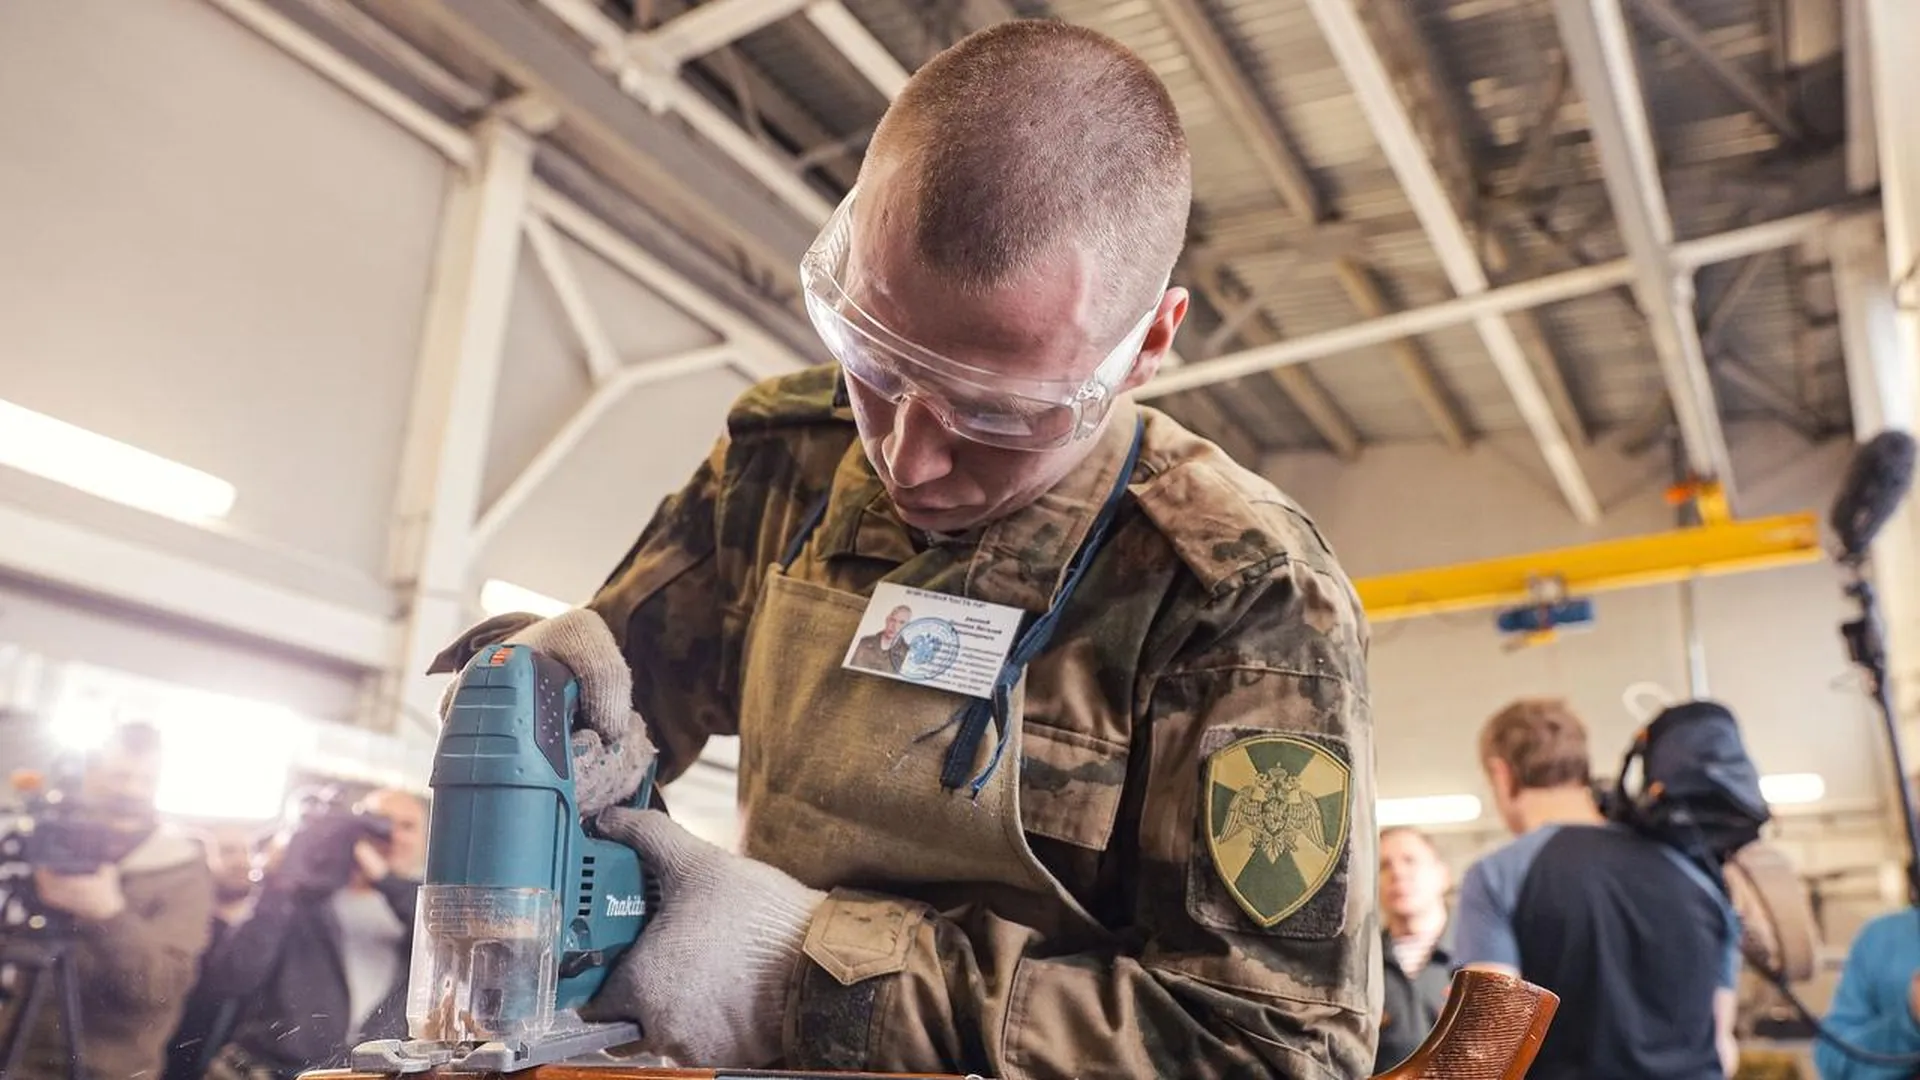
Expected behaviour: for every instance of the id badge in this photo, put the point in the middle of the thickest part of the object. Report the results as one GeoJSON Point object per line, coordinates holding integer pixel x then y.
{"type": "Point", "coordinates": [932, 639]}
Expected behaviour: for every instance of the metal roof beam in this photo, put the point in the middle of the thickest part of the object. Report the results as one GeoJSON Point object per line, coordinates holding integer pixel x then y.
{"type": "Point", "coordinates": [617, 388]}
{"type": "Point", "coordinates": [1439, 215]}
{"type": "Point", "coordinates": [861, 49]}
{"type": "Point", "coordinates": [456, 378]}
{"type": "Point", "coordinates": [1289, 176]}
{"type": "Point", "coordinates": [1599, 52]}
{"type": "Point", "coordinates": [732, 182]}
{"type": "Point", "coordinates": [704, 28]}
{"type": "Point", "coordinates": [1363, 289]}
{"type": "Point", "coordinates": [1243, 108]}
{"type": "Point", "coordinates": [1423, 91]}
{"type": "Point", "coordinates": [603, 362]}
{"type": "Point", "coordinates": [1552, 289]}
{"type": "Point", "coordinates": [1311, 398]}
{"type": "Point", "coordinates": [1267, 232]}
{"type": "Point", "coordinates": [1676, 25]}
{"type": "Point", "coordinates": [616, 49]}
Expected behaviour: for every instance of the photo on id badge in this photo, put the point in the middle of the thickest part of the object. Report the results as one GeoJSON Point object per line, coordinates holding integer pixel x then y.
{"type": "Point", "coordinates": [932, 639]}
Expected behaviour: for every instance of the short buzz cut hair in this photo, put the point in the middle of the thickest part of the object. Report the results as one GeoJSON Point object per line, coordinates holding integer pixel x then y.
{"type": "Point", "coordinates": [1035, 136]}
{"type": "Point", "coordinates": [1542, 741]}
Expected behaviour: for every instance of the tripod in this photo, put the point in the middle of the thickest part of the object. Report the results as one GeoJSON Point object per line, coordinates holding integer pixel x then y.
{"type": "Point", "coordinates": [43, 960]}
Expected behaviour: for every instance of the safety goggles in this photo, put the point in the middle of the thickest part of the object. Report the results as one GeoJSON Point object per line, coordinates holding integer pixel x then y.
{"type": "Point", "coordinates": [985, 406]}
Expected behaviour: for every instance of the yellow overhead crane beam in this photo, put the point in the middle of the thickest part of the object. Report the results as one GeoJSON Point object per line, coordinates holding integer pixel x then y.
{"type": "Point", "coordinates": [1720, 546]}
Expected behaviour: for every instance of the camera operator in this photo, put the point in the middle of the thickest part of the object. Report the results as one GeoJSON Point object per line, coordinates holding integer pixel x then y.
{"type": "Point", "coordinates": [321, 964]}
{"type": "Point", "coordinates": [1641, 946]}
{"type": "Point", "coordinates": [137, 921]}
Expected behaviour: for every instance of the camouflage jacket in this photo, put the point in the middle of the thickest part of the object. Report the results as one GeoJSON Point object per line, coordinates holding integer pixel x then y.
{"type": "Point", "coordinates": [1199, 771]}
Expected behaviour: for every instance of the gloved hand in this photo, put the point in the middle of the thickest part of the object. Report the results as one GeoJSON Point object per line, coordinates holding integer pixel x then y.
{"type": "Point", "coordinates": [707, 981]}
{"type": "Point", "coordinates": [611, 750]}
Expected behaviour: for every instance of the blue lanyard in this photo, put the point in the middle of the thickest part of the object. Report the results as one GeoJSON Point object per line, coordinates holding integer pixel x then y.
{"type": "Point", "coordinates": [974, 716]}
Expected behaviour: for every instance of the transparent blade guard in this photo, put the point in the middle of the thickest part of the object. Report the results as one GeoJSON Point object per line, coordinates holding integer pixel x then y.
{"type": "Point", "coordinates": [483, 964]}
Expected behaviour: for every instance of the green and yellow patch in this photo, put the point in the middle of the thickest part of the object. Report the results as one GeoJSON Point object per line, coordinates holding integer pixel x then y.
{"type": "Point", "coordinates": [1276, 821]}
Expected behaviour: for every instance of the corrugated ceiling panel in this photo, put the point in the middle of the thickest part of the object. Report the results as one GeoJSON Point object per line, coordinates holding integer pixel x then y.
{"type": "Point", "coordinates": [814, 74]}
{"type": "Point", "coordinates": [1613, 372]}
{"type": "Point", "coordinates": [1496, 54]}
{"type": "Point", "coordinates": [910, 33]}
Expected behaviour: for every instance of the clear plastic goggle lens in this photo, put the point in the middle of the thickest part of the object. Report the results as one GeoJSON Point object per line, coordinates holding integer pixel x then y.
{"type": "Point", "coordinates": [1011, 425]}
{"type": "Point", "coordinates": [973, 403]}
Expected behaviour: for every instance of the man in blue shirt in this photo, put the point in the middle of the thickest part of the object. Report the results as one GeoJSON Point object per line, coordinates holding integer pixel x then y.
{"type": "Point", "coordinates": [1877, 1002]}
{"type": "Point", "coordinates": [1640, 944]}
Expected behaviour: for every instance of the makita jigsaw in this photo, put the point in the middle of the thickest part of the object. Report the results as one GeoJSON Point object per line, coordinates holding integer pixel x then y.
{"type": "Point", "coordinates": [521, 913]}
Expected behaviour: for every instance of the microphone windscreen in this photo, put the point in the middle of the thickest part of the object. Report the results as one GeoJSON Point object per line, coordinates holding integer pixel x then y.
{"type": "Point", "coordinates": [1876, 481]}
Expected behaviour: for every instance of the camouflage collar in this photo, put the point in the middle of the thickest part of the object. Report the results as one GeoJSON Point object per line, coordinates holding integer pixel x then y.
{"type": "Point", "coordinates": [1019, 560]}
{"type": "Point", "coordinates": [1023, 557]}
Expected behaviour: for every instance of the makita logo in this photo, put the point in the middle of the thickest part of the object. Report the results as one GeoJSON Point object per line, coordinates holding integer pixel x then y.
{"type": "Point", "coordinates": [626, 907]}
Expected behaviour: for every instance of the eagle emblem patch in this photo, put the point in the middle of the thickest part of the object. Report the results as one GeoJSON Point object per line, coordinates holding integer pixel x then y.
{"type": "Point", "coordinates": [1276, 821]}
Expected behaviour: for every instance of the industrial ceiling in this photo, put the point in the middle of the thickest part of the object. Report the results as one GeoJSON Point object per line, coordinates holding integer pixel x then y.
{"type": "Point", "coordinates": [1644, 171]}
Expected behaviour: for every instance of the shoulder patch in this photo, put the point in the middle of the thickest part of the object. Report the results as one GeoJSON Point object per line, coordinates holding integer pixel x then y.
{"type": "Point", "coordinates": [810, 396]}
{"type": "Point", "coordinates": [1276, 821]}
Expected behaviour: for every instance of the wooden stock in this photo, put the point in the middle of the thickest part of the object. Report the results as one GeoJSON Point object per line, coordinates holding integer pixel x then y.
{"type": "Point", "coordinates": [1490, 1029]}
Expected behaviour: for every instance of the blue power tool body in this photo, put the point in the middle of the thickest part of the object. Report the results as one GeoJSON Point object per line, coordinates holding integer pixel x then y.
{"type": "Point", "coordinates": [522, 913]}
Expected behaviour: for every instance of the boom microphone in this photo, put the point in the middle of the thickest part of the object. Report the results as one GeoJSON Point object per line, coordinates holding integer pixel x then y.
{"type": "Point", "coordinates": [1877, 479]}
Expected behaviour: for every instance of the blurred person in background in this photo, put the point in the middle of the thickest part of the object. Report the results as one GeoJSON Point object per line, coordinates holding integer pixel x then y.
{"type": "Point", "coordinates": [1642, 947]}
{"type": "Point", "coordinates": [1416, 946]}
{"type": "Point", "coordinates": [233, 854]}
{"type": "Point", "coordinates": [137, 922]}
{"type": "Point", "coordinates": [1876, 1007]}
{"type": "Point", "coordinates": [321, 963]}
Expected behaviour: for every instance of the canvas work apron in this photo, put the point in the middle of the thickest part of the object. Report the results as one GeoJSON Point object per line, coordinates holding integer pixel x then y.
{"type": "Point", "coordinates": [841, 784]}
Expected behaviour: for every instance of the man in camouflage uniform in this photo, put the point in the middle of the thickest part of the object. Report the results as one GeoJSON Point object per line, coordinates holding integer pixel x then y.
{"type": "Point", "coordinates": [1150, 851]}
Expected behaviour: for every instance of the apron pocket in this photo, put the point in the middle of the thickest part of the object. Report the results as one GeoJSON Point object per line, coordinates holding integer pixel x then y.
{"type": "Point", "coordinates": [1070, 785]}
{"type": "Point", "coordinates": [1271, 844]}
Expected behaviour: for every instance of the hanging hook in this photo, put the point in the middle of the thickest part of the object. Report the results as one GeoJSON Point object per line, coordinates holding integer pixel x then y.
{"type": "Point", "coordinates": [1645, 700]}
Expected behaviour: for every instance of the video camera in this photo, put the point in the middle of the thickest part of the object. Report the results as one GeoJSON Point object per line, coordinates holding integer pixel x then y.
{"type": "Point", "coordinates": [326, 826]}
{"type": "Point", "coordinates": [49, 827]}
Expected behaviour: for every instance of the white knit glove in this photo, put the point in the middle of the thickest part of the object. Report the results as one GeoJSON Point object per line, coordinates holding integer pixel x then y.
{"type": "Point", "coordinates": [611, 750]}
{"type": "Point", "coordinates": [707, 981]}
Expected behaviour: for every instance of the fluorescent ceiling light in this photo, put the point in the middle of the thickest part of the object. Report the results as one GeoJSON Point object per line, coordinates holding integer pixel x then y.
{"type": "Point", "coordinates": [58, 451]}
{"type": "Point", "coordinates": [1427, 810]}
{"type": "Point", "coordinates": [501, 597]}
{"type": "Point", "coordinates": [1787, 789]}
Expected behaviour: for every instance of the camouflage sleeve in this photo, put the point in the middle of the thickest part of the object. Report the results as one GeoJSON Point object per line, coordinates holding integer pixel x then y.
{"type": "Point", "coordinates": [665, 604]}
{"type": "Point", "coordinates": [1254, 944]}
